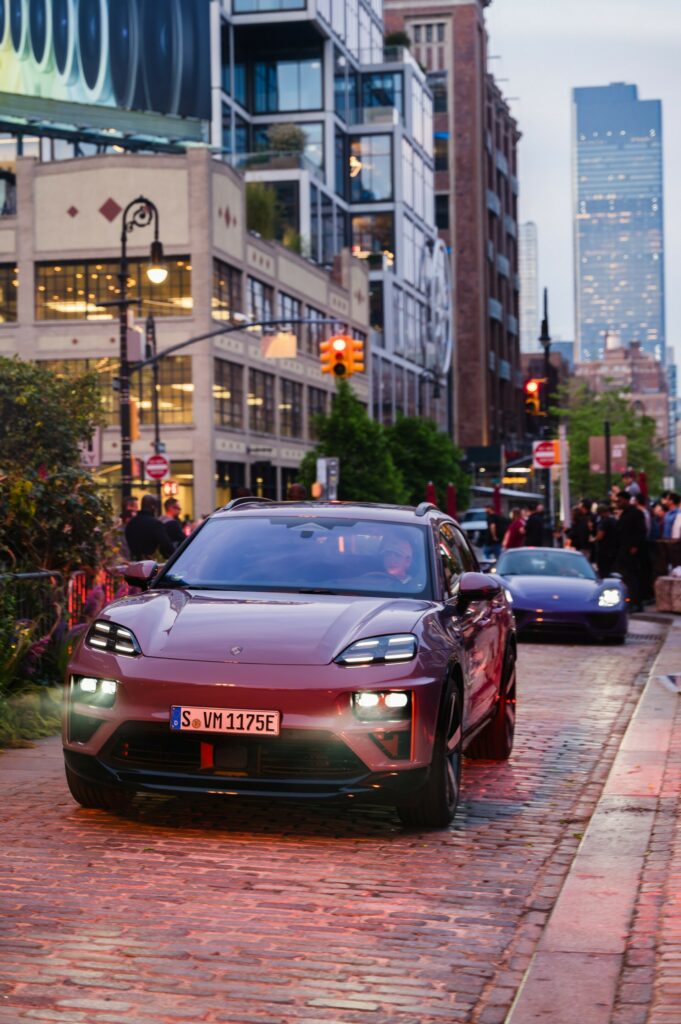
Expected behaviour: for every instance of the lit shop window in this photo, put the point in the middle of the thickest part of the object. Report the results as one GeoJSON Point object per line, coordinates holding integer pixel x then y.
{"type": "Point", "coordinates": [8, 293]}
{"type": "Point", "coordinates": [73, 290]}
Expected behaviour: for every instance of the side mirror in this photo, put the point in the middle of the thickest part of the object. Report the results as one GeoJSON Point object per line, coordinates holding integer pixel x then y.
{"type": "Point", "coordinates": [473, 586]}
{"type": "Point", "coordinates": [140, 574]}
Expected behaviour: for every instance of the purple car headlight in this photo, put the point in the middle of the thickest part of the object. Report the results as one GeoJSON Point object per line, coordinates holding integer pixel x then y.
{"type": "Point", "coordinates": [108, 636]}
{"type": "Point", "coordinates": [611, 597]}
{"type": "Point", "coordinates": [379, 650]}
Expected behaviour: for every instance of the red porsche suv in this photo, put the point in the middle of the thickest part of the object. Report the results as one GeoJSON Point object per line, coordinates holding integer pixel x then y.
{"type": "Point", "coordinates": [308, 650]}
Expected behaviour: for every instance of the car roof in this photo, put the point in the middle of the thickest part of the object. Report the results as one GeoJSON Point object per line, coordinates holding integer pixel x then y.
{"type": "Point", "coordinates": [333, 509]}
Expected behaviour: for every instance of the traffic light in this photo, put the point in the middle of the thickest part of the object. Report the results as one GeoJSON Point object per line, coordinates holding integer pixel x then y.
{"type": "Point", "coordinates": [533, 397]}
{"type": "Point", "coordinates": [337, 356]}
{"type": "Point", "coordinates": [356, 356]}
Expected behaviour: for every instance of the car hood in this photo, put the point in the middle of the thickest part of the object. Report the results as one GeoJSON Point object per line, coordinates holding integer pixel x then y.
{"type": "Point", "coordinates": [560, 591]}
{"type": "Point", "coordinates": [256, 628]}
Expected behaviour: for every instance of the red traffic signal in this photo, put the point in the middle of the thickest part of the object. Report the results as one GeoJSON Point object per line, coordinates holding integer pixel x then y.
{"type": "Point", "coordinates": [533, 396]}
{"type": "Point", "coordinates": [340, 356]}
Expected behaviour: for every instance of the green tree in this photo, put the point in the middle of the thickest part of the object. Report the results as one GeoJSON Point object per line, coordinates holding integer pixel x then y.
{"type": "Point", "coordinates": [421, 452]}
{"type": "Point", "coordinates": [585, 412]}
{"type": "Point", "coordinates": [367, 470]}
{"type": "Point", "coordinates": [51, 513]}
{"type": "Point", "coordinates": [261, 209]}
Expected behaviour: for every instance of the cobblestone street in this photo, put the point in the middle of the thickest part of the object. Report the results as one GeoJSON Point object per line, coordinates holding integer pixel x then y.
{"type": "Point", "coordinates": [240, 913]}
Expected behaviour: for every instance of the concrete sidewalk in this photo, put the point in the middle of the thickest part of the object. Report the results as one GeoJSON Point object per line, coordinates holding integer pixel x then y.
{"type": "Point", "coordinates": [611, 952]}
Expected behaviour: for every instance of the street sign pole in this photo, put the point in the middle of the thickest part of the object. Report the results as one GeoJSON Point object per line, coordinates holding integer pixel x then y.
{"type": "Point", "coordinates": [564, 475]}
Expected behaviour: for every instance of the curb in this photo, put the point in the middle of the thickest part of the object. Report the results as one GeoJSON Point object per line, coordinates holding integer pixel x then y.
{"type": "Point", "coordinates": [575, 970]}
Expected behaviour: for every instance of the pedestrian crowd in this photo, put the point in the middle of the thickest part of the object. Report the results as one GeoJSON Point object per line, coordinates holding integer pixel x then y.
{"type": "Point", "coordinates": [618, 535]}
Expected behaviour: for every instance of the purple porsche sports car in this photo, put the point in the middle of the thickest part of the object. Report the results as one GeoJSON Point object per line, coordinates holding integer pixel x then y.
{"type": "Point", "coordinates": [556, 591]}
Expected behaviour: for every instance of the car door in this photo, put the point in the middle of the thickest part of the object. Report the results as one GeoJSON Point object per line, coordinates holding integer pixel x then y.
{"type": "Point", "coordinates": [471, 630]}
{"type": "Point", "coordinates": [495, 628]}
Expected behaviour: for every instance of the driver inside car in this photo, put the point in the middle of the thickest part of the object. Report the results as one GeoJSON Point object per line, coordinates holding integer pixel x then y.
{"type": "Point", "coordinates": [397, 559]}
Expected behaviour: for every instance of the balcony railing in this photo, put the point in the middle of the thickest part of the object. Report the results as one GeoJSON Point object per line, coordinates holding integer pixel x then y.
{"type": "Point", "coordinates": [375, 115]}
{"type": "Point", "coordinates": [274, 160]}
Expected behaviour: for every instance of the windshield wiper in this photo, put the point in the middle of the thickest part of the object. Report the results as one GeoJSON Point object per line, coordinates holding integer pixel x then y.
{"type": "Point", "coordinates": [314, 590]}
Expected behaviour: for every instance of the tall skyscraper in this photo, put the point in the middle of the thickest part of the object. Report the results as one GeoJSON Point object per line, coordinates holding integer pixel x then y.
{"type": "Point", "coordinates": [528, 266]}
{"type": "Point", "coordinates": [618, 227]}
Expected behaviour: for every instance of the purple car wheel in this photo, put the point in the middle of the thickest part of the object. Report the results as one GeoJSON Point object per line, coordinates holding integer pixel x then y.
{"type": "Point", "coordinates": [103, 798]}
{"type": "Point", "coordinates": [438, 800]}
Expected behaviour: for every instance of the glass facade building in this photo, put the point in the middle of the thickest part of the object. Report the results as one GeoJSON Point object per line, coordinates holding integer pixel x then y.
{"type": "Point", "coordinates": [361, 178]}
{"type": "Point", "coordinates": [618, 220]}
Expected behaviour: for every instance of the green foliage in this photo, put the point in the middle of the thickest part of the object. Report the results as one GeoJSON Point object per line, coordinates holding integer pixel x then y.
{"type": "Point", "coordinates": [585, 413]}
{"type": "Point", "coordinates": [399, 38]}
{"type": "Point", "coordinates": [29, 716]}
{"type": "Point", "coordinates": [421, 452]}
{"type": "Point", "coordinates": [51, 513]}
{"type": "Point", "coordinates": [261, 209]}
{"type": "Point", "coordinates": [286, 138]}
{"type": "Point", "coordinates": [367, 470]}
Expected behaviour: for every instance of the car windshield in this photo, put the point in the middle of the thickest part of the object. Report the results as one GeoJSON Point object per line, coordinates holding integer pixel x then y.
{"type": "Point", "coordinates": [549, 562]}
{"type": "Point", "coordinates": [305, 553]}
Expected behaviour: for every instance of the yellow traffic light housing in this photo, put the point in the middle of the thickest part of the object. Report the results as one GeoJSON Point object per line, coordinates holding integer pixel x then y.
{"type": "Point", "coordinates": [337, 356]}
{"type": "Point", "coordinates": [357, 356]}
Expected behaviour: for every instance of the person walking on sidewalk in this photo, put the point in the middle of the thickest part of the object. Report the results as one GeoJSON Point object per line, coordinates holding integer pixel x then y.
{"type": "Point", "coordinates": [146, 534]}
{"type": "Point", "coordinates": [515, 535]}
{"type": "Point", "coordinates": [631, 539]}
{"type": "Point", "coordinates": [171, 521]}
{"type": "Point", "coordinates": [607, 540]}
{"type": "Point", "coordinates": [534, 528]}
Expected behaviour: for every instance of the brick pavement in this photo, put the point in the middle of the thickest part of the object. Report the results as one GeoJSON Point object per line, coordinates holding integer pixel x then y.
{"type": "Point", "coordinates": [247, 914]}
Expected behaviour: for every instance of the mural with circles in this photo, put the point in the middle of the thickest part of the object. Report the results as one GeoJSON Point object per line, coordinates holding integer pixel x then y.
{"type": "Point", "coordinates": [148, 55]}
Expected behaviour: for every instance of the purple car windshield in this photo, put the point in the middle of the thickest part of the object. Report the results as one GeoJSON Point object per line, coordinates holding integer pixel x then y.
{"type": "Point", "coordinates": [545, 562]}
{"type": "Point", "coordinates": [304, 552]}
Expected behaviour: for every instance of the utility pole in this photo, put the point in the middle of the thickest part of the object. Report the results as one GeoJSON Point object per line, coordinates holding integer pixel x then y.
{"type": "Point", "coordinates": [545, 341]}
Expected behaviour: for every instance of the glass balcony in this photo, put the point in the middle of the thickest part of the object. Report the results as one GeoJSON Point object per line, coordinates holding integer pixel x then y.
{"type": "Point", "coordinates": [374, 115]}
{"type": "Point", "coordinates": [274, 160]}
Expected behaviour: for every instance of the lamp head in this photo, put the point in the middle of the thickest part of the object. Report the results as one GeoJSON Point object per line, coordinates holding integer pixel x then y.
{"type": "Point", "coordinates": [157, 271]}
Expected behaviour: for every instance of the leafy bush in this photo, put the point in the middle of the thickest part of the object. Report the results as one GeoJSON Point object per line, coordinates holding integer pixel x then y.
{"type": "Point", "coordinates": [261, 209]}
{"type": "Point", "coordinates": [286, 138]}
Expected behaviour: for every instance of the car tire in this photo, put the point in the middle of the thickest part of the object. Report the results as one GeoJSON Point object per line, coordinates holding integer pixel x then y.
{"type": "Point", "coordinates": [103, 798]}
{"type": "Point", "coordinates": [437, 801]}
{"type": "Point", "coordinates": [495, 742]}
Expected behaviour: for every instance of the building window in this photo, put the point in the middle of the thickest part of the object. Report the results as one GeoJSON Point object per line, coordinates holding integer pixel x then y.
{"type": "Point", "coordinates": [316, 332]}
{"type": "Point", "coordinates": [290, 408]}
{"type": "Point", "coordinates": [261, 402]}
{"type": "Point", "coordinates": [230, 478]}
{"type": "Point", "coordinates": [8, 293]}
{"type": "Point", "coordinates": [226, 290]}
{"type": "Point", "coordinates": [442, 212]}
{"type": "Point", "coordinates": [288, 85]}
{"type": "Point", "coordinates": [260, 300]}
{"type": "Point", "coordinates": [314, 141]}
{"type": "Point", "coordinates": [383, 89]}
{"type": "Point", "coordinates": [317, 403]}
{"type": "Point", "coordinates": [373, 234]}
{"type": "Point", "coordinates": [440, 33]}
{"type": "Point", "coordinates": [72, 290]}
{"type": "Point", "coordinates": [261, 6]}
{"type": "Point", "coordinates": [417, 33]}
{"type": "Point", "coordinates": [293, 309]}
{"type": "Point", "coordinates": [370, 168]}
{"type": "Point", "coordinates": [441, 144]}
{"type": "Point", "coordinates": [438, 86]}
{"type": "Point", "coordinates": [429, 33]}
{"type": "Point", "coordinates": [228, 394]}
{"type": "Point", "coordinates": [175, 395]}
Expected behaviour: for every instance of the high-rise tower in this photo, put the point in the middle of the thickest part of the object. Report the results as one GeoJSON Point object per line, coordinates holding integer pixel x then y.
{"type": "Point", "coordinates": [618, 227]}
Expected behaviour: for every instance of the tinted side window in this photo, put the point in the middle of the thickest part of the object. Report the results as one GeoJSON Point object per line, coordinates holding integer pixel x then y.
{"type": "Point", "coordinates": [470, 562]}
{"type": "Point", "coordinates": [450, 556]}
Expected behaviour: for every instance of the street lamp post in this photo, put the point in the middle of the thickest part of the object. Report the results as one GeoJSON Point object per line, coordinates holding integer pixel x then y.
{"type": "Point", "coordinates": [150, 353]}
{"type": "Point", "coordinates": [138, 214]}
{"type": "Point", "coordinates": [545, 341]}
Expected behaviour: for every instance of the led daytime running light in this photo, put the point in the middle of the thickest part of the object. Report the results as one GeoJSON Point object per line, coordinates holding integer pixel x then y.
{"type": "Point", "coordinates": [379, 649]}
{"type": "Point", "coordinates": [108, 636]}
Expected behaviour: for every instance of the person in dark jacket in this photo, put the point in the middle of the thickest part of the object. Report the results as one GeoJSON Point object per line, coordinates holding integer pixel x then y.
{"type": "Point", "coordinates": [534, 528]}
{"type": "Point", "coordinates": [631, 539]}
{"type": "Point", "coordinates": [145, 534]}
{"type": "Point", "coordinates": [606, 540]}
{"type": "Point", "coordinates": [171, 521]}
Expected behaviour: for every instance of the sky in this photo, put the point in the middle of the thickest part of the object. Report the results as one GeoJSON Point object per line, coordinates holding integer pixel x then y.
{"type": "Point", "coordinates": [545, 48]}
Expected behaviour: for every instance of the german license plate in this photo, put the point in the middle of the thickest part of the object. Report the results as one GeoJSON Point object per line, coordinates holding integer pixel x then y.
{"type": "Point", "coordinates": [225, 720]}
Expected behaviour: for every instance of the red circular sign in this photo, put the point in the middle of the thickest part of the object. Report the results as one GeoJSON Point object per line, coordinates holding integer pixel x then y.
{"type": "Point", "coordinates": [157, 467]}
{"type": "Point", "coordinates": [545, 454]}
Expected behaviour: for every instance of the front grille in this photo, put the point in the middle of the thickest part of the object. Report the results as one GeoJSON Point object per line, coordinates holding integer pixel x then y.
{"type": "Point", "coordinates": [604, 620]}
{"type": "Point", "coordinates": [294, 754]}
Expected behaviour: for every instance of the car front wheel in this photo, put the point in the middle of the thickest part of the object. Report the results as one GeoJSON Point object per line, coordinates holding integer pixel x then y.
{"type": "Point", "coordinates": [437, 801]}
{"type": "Point", "coordinates": [103, 798]}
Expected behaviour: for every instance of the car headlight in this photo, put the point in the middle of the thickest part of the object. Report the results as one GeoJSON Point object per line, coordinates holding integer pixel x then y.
{"type": "Point", "coordinates": [609, 598]}
{"type": "Point", "coordinates": [382, 706]}
{"type": "Point", "coordinates": [509, 595]}
{"type": "Point", "coordinates": [379, 649]}
{"type": "Point", "coordinates": [97, 693]}
{"type": "Point", "coordinates": [108, 636]}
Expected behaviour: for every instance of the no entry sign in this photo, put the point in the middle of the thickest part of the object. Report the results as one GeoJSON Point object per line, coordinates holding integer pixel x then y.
{"type": "Point", "coordinates": [157, 467]}
{"type": "Point", "coordinates": [545, 454]}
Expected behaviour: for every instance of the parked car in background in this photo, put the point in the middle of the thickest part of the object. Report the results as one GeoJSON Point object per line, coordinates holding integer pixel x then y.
{"type": "Point", "coordinates": [473, 523]}
{"type": "Point", "coordinates": [555, 591]}
{"type": "Point", "coordinates": [311, 650]}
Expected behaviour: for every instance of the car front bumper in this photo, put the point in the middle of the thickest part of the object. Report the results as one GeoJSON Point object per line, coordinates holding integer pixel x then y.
{"type": "Point", "coordinates": [593, 624]}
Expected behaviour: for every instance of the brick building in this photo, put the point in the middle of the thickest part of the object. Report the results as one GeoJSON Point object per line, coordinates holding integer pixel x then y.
{"type": "Point", "coordinates": [476, 188]}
